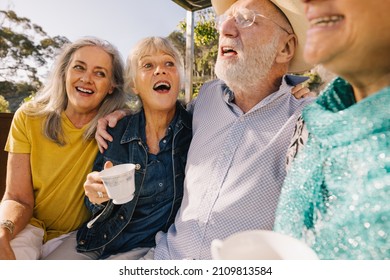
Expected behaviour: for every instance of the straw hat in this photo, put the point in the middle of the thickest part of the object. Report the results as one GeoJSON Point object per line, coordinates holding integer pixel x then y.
{"type": "Point", "coordinates": [294, 12]}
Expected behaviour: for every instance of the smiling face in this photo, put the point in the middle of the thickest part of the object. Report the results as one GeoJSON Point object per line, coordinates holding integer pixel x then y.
{"type": "Point", "coordinates": [88, 80]}
{"type": "Point", "coordinates": [348, 37]}
{"type": "Point", "coordinates": [157, 81]}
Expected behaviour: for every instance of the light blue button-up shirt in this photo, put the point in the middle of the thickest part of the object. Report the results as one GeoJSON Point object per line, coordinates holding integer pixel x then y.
{"type": "Point", "coordinates": [235, 169]}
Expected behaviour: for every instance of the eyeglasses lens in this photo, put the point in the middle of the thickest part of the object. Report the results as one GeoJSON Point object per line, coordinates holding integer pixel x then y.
{"type": "Point", "coordinates": [242, 17]}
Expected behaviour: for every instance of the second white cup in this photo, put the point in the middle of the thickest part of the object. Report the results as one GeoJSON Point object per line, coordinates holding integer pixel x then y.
{"type": "Point", "coordinates": [261, 245]}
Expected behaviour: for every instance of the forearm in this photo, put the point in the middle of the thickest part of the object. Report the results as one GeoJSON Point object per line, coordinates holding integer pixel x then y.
{"type": "Point", "coordinates": [14, 216]}
{"type": "Point", "coordinates": [16, 212]}
{"type": "Point", "coordinates": [18, 201]}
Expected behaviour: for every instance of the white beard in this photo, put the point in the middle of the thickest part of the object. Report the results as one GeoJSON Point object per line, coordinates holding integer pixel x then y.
{"type": "Point", "coordinates": [250, 66]}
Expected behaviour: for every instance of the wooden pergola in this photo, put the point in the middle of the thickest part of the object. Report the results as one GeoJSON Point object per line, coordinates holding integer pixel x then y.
{"type": "Point", "coordinates": [191, 6]}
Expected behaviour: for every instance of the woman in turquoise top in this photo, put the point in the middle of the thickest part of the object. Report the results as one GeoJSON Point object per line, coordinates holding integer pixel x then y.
{"type": "Point", "coordinates": [336, 195]}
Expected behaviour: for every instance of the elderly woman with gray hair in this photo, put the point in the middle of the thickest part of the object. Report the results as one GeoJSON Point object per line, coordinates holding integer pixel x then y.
{"type": "Point", "coordinates": [156, 140]}
{"type": "Point", "coordinates": [51, 149]}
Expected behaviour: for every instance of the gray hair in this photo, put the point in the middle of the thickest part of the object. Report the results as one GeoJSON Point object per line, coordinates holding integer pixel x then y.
{"type": "Point", "coordinates": [52, 99]}
{"type": "Point", "coordinates": [146, 46]}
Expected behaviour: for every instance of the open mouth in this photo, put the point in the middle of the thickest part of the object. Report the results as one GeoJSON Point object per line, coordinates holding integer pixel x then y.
{"type": "Point", "coordinates": [326, 21]}
{"type": "Point", "coordinates": [162, 87]}
{"type": "Point", "coordinates": [85, 90]}
{"type": "Point", "coordinates": [228, 51]}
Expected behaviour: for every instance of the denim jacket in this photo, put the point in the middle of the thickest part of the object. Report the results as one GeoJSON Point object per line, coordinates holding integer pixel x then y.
{"type": "Point", "coordinates": [129, 146]}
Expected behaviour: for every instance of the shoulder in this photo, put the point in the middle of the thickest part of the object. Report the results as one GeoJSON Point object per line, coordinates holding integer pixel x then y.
{"type": "Point", "coordinates": [212, 85]}
{"type": "Point", "coordinates": [211, 90]}
{"type": "Point", "coordinates": [302, 102]}
{"type": "Point", "coordinates": [128, 123]}
{"type": "Point", "coordinates": [22, 118]}
{"type": "Point", "coordinates": [185, 116]}
{"type": "Point", "coordinates": [19, 115]}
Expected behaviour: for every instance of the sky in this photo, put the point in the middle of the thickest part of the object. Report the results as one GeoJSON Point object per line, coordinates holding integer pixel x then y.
{"type": "Point", "coordinates": [121, 22]}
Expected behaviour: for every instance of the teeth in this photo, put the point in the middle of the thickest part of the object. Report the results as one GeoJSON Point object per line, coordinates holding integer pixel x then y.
{"type": "Point", "coordinates": [326, 21]}
{"type": "Point", "coordinates": [159, 84]}
{"type": "Point", "coordinates": [162, 86]}
{"type": "Point", "coordinates": [227, 49]}
{"type": "Point", "coordinates": [84, 90]}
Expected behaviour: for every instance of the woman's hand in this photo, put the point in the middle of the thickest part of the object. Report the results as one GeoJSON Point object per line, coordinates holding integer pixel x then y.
{"type": "Point", "coordinates": [101, 135]}
{"type": "Point", "coordinates": [6, 252]}
{"type": "Point", "coordinates": [302, 91]}
{"type": "Point", "coordinates": [94, 188]}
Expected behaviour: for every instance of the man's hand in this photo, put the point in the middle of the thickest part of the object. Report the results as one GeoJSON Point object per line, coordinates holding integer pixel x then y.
{"type": "Point", "coordinates": [101, 135]}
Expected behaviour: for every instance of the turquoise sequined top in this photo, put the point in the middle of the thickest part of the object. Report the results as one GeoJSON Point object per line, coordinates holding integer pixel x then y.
{"type": "Point", "coordinates": [336, 196]}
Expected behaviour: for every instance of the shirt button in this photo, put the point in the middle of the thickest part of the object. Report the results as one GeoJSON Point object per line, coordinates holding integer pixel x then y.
{"type": "Point", "coordinates": [105, 236]}
{"type": "Point", "coordinates": [82, 242]}
{"type": "Point", "coordinates": [121, 217]}
{"type": "Point", "coordinates": [139, 143]}
{"type": "Point", "coordinates": [164, 141]}
{"type": "Point", "coordinates": [160, 184]}
{"type": "Point", "coordinates": [137, 166]}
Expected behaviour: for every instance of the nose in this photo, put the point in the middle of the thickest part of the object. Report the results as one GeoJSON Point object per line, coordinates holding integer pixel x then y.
{"type": "Point", "coordinates": [228, 27]}
{"type": "Point", "coordinates": [160, 69]}
{"type": "Point", "coordinates": [86, 77]}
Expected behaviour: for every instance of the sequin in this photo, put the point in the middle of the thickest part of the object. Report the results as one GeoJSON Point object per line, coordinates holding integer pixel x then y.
{"type": "Point", "coordinates": [337, 192]}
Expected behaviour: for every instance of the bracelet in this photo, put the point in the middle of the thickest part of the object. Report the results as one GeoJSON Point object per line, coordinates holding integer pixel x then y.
{"type": "Point", "coordinates": [8, 225]}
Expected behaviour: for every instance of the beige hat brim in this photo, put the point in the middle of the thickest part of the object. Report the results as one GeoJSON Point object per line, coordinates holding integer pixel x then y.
{"type": "Point", "coordinates": [220, 6]}
{"type": "Point", "coordinates": [293, 10]}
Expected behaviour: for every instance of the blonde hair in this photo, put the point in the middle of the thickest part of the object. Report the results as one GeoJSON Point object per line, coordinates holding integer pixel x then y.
{"type": "Point", "coordinates": [52, 99]}
{"type": "Point", "coordinates": [146, 46]}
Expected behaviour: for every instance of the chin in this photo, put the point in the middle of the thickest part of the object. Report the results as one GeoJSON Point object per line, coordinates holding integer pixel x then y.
{"type": "Point", "coordinates": [313, 55]}
{"type": "Point", "coordinates": [224, 70]}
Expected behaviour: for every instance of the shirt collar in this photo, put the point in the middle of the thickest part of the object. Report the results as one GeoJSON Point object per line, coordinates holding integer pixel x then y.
{"type": "Point", "coordinates": [181, 118]}
{"type": "Point", "coordinates": [288, 81]}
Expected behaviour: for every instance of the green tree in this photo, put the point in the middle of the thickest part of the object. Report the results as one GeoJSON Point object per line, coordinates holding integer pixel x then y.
{"type": "Point", "coordinates": [206, 42]}
{"type": "Point", "coordinates": [205, 46]}
{"type": "Point", "coordinates": [179, 41]}
{"type": "Point", "coordinates": [26, 53]}
{"type": "Point", "coordinates": [4, 105]}
{"type": "Point", "coordinates": [16, 92]}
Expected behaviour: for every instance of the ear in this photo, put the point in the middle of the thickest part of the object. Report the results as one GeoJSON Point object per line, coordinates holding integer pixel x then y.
{"type": "Point", "coordinates": [134, 88]}
{"type": "Point", "coordinates": [286, 53]}
{"type": "Point", "coordinates": [111, 90]}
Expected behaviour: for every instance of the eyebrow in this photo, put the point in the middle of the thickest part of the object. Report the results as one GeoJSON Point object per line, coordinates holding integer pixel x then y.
{"type": "Point", "coordinates": [146, 56]}
{"type": "Point", "coordinates": [96, 67]}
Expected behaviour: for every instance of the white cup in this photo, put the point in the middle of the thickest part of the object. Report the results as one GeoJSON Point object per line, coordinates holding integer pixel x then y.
{"type": "Point", "coordinates": [261, 245]}
{"type": "Point", "coordinates": [119, 182]}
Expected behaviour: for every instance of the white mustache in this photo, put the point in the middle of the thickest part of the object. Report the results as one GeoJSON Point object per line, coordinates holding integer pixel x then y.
{"type": "Point", "coordinates": [229, 42]}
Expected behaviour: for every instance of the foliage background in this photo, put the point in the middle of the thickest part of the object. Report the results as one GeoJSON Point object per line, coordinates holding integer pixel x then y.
{"type": "Point", "coordinates": [27, 52]}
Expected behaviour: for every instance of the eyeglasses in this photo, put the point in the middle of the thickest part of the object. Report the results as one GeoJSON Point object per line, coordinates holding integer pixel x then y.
{"type": "Point", "coordinates": [243, 18]}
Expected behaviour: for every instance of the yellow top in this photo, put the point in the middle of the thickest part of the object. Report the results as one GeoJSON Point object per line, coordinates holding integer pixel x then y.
{"type": "Point", "coordinates": [58, 172]}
